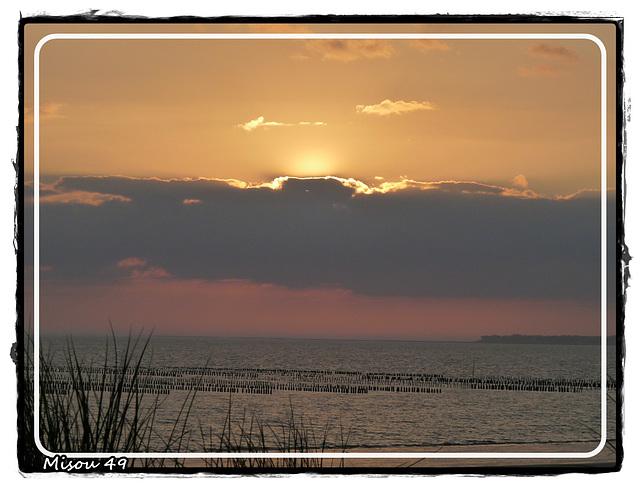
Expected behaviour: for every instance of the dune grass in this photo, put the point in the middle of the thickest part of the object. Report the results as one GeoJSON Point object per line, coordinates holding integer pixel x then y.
{"type": "Point", "coordinates": [97, 414]}
{"type": "Point", "coordinates": [95, 420]}
{"type": "Point", "coordinates": [101, 414]}
{"type": "Point", "coordinates": [249, 435]}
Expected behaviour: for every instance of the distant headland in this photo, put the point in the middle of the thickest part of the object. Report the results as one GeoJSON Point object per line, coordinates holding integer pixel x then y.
{"type": "Point", "coordinates": [546, 339]}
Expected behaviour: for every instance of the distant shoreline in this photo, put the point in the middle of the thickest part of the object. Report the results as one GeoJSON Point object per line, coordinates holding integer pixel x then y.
{"type": "Point", "coordinates": [546, 339]}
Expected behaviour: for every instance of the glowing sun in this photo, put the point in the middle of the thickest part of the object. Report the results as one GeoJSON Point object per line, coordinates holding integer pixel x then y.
{"type": "Point", "coordinates": [312, 164]}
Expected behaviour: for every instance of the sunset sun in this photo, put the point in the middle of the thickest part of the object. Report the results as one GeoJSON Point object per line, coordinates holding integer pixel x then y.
{"type": "Point", "coordinates": [312, 164]}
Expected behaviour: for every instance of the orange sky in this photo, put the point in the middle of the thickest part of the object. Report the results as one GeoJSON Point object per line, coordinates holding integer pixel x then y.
{"type": "Point", "coordinates": [482, 110]}
{"type": "Point", "coordinates": [522, 115]}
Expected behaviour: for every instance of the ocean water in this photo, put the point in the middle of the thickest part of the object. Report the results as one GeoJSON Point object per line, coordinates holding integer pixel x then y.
{"type": "Point", "coordinates": [377, 418]}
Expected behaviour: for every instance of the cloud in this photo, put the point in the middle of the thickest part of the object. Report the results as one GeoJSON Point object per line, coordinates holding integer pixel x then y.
{"type": "Point", "coordinates": [556, 57]}
{"type": "Point", "coordinates": [150, 273]}
{"type": "Point", "coordinates": [520, 181]}
{"type": "Point", "coordinates": [141, 269]}
{"type": "Point", "coordinates": [409, 238]}
{"type": "Point", "coordinates": [556, 53]}
{"type": "Point", "coordinates": [183, 190]}
{"type": "Point", "coordinates": [299, 57]}
{"type": "Point", "coordinates": [132, 262]}
{"type": "Point", "coordinates": [582, 194]}
{"type": "Point", "coordinates": [259, 122]}
{"type": "Point", "coordinates": [388, 107]}
{"type": "Point", "coordinates": [428, 45]}
{"type": "Point", "coordinates": [347, 50]}
{"type": "Point", "coordinates": [48, 111]}
{"type": "Point", "coordinates": [81, 197]}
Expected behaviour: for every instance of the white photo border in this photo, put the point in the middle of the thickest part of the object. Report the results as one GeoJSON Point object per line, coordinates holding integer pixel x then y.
{"type": "Point", "coordinates": [389, 36]}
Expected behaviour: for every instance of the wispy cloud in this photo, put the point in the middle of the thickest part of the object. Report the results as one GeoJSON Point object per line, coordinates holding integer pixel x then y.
{"type": "Point", "coordinates": [428, 45]}
{"type": "Point", "coordinates": [584, 194]}
{"type": "Point", "coordinates": [388, 107]}
{"type": "Point", "coordinates": [347, 50]}
{"type": "Point", "coordinates": [260, 122]}
{"type": "Point", "coordinates": [132, 262]}
{"type": "Point", "coordinates": [141, 269]}
{"type": "Point", "coordinates": [556, 61]}
{"type": "Point", "coordinates": [150, 273]}
{"type": "Point", "coordinates": [82, 197]}
{"type": "Point", "coordinates": [48, 111]}
{"type": "Point", "coordinates": [558, 53]}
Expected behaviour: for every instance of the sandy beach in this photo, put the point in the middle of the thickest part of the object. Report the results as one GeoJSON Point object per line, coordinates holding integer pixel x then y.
{"type": "Point", "coordinates": [602, 461]}
{"type": "Point", "coordinates": [605, 459]}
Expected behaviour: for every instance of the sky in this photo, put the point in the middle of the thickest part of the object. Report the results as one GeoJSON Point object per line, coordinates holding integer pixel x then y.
{"type": "Point", "coordinates": [320, 188]}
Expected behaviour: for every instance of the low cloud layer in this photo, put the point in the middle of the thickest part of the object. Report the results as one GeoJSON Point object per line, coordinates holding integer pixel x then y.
{"type": "Point", "coordinates": [446, 239]}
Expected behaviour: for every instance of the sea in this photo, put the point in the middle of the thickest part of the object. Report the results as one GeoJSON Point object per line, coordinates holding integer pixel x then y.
{"type": "Point", "coordinates": [359, 394]}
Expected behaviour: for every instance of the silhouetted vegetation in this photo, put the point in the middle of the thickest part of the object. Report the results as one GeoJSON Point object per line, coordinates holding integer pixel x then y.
{"type": "Point", "coordinates": [90, 412]}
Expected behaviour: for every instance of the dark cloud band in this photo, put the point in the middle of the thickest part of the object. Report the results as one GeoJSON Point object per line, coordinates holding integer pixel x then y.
{"type": "Point", "coordinates": [452, 240]}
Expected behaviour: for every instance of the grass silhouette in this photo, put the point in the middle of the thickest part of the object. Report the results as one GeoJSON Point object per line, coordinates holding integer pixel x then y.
{"type": "Point", "coordinates": [109, 409]}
